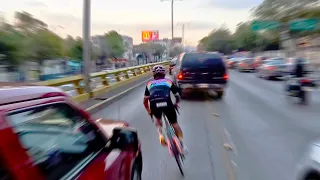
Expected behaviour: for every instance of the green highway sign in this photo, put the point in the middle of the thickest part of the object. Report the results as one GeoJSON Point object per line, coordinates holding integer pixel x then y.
{"type": "Point", "coordinates": [304, 24]}
{"type": "Point", "coordinates": [264, 25]}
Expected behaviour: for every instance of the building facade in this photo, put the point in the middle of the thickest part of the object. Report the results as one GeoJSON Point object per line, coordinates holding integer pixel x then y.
{"type": "Point", "coordinates": [128, 44]}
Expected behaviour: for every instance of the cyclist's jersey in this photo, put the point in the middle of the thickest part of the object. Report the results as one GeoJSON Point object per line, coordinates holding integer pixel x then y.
{"type": "Point", "coordinates": [159, 90]}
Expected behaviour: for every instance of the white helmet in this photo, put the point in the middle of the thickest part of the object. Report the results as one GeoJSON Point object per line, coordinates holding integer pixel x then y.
{"type": "Point", "coordinates": [158, 69]}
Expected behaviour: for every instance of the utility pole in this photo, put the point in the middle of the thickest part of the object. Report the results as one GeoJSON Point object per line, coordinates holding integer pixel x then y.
{"type": "Point", "coordinates": [172, 28]}
{"type": "Point", "coordinates": [86, 44]}
{"type": "Point", "coordinates": [183, 25]}
{"type": "Point", "coordinates": [172, 31]}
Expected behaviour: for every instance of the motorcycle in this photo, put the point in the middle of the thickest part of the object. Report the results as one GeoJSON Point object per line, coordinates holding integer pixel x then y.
{"type": "Point", "coordinates": [300, 88]}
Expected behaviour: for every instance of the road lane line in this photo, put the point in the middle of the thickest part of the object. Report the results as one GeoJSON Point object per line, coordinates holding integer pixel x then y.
{"type": "Point", "coordinates": [221, 135]}
{"type": "Point", "coordinates": [234, 147]}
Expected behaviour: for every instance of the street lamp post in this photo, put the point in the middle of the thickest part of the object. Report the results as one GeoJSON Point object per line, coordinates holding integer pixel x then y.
{"type": "Point", "coordinates": [172, 30]}
{"type": "Point", "coordinates": [86, 43]}
{"type": "Point", "coordinates": [183, 25]}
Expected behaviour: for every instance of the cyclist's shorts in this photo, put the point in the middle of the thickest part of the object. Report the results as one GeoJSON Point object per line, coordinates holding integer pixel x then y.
{"type": "Point", "coordinates": [169, 111]}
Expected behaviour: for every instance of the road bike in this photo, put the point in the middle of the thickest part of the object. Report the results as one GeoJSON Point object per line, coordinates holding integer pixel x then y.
{"type": "Point", "coordinates": [172, 141]}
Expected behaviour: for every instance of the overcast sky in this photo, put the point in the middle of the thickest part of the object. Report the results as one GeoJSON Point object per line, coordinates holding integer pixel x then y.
{"type": "Point", "coordinates": [130, 17]}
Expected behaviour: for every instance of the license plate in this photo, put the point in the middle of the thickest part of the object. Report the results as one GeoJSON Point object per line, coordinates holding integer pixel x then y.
{"type": "Point", "coordinates": [203, 85]}
{"type": "Point", "coordinates": [186, 86]}
{"type": "Point", "coordinates": [307, 88]}
{"type": "Point", "coordinates": [161, 104]}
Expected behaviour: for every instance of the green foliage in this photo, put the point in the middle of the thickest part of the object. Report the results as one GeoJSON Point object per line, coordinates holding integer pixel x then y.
{"type": "Point", "coordinates": [218, 40]}
{"type": "Point", "coordinates": [115, 44]}
{"type": "Point", "coordinates": [9, 48]}
{"type": "Point", "coordinates": [156, 49]}
{"type": "Point", "coordinates": [76, 51]}
{"type": "Point", "coordinates": [46, 45]}
{"type": "Point", "coordinates": [244, 38]}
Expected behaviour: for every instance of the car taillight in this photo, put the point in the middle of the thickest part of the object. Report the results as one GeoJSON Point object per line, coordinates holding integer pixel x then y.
{"type": "Point", "coordinates": [305, 81]}
{"type": "Point", "coordinates": [271, 68]}
{"type": "Point", "coordinates": [180, 76]}
{"type": "Point", "coordinates": [225, 77]}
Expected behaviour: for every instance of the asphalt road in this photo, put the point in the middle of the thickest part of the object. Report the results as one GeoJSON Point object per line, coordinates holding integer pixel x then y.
{"type": "Point", "coordinates": [267, 131]}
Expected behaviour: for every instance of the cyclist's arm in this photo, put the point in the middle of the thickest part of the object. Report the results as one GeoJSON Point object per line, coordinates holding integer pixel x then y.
{"type": "Point", "coordinates": [175, 91]}
{"type": "Point", "coordinates": [146, 99]}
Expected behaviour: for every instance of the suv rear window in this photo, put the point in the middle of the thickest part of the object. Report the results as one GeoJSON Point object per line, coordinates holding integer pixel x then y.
{"type": "Point", "coordinates": [202, 61]}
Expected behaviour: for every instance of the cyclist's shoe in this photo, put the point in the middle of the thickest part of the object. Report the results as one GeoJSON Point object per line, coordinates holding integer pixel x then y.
{"type": "Point", "coordinates": [162, 140]}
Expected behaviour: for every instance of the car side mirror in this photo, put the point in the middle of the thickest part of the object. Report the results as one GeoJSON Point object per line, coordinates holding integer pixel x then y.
{"type": "Point", "coordinates": [125, 138]}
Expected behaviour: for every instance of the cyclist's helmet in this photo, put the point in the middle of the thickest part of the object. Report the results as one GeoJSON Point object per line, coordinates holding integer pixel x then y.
{"type": "Point", "coordinates": [158, 69]}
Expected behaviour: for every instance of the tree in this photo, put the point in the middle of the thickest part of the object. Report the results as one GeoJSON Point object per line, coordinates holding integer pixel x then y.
{"type": "Point", "coordinates": [9, 48]}
{"type": "Point", "coordinates": [68, 44]}
{"type": "Point", "coordinates": [76, 50]}
{"type": "Point", "coordinates": [286, 9]}
{"type": "Point", "coordinates": [218, 40]}
{"type": "Point", "coordinates": [28, 24]}
{"type": "Point", "coordinates": [244, 38]}
{"type": "Point", "coordinates": [46, 45]}
{"type": "Point", "coordinates": [115, 44]}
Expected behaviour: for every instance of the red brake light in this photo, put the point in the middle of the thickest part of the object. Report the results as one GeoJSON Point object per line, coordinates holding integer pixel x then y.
{"type": "Point", "coordinates": [271, 68]}
{"type": "Point", "coordinates": [225, 77]}
{"type": "Point", "coordinates": [305, 81]}
{"type": "Point", "coordinates": [180, 76]}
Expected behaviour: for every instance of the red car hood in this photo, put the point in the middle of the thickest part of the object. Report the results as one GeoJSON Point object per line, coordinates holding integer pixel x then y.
{"type": "Point", "coordinates": [107, 126]}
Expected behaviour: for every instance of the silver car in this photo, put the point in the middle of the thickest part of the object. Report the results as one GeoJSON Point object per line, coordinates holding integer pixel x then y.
{"type": "Point", "coordinates": [246, 64]}
{"type": "Point", "coordinates": [272, 68]}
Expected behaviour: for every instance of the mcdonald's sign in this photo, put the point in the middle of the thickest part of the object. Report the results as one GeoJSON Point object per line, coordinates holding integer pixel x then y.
{"type": "Point", "coordinates": [149, 36]}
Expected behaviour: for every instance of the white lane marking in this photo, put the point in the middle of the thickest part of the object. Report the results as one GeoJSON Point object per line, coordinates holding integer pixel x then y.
{"type": "Point", "coordinates": [231, 142]}
{"type": "Point", "coordinates": [234, 164]}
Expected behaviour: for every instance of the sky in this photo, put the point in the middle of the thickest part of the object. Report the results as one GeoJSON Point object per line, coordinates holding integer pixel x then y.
{"type": "Point", "coordinates": [130, 17]}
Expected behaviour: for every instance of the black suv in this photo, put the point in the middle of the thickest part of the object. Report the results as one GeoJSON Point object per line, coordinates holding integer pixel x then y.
{"type": "Point", "coordinates": [200, 71]}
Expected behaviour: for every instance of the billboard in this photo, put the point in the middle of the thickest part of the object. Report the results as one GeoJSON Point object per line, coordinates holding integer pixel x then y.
{"type": "Point", "coordinates": [149, 36]}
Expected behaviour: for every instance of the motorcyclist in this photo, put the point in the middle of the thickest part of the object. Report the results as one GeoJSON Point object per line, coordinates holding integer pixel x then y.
{"type": "Point", "coordinates": [298, 70]}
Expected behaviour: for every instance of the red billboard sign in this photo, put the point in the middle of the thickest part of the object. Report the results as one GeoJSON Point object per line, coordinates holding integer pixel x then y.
{"type": "Point", "coordinates": [149, 36]}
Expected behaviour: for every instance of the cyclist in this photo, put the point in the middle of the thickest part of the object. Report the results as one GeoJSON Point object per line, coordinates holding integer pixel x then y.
{"type": "Point", "coordinates": [158, 91]}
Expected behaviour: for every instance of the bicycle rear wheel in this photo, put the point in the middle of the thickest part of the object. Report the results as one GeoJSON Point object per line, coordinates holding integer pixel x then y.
{"type": "Point", "coordinates": [177, 156]}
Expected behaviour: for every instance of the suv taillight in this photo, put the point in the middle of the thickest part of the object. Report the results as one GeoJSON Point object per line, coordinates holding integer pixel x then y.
{"type": "Point", "coordinates": [225, 76]}
{"type": "Point", "coordinates": [180, 76]}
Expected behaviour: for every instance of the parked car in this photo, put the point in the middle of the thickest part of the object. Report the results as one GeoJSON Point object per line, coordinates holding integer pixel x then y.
{"type": "Point", "coordinates": [200, 71]}
{"type": "Point", "coordinates": [45, 135]}
{"type": "Point", "coordinates": [246, 64]}
{"type": "Point", "coordinates": [173, 62]}
{"type": "Point", "coordinates": [258, 61]}
{"type": "Point", "coordinates": [272, 68]}
{"type": "Point", "coordinates": [233, 63]}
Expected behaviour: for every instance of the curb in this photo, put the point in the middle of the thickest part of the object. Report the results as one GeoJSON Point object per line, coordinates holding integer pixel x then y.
{"type": "Point", "coordinates": [99, 106]}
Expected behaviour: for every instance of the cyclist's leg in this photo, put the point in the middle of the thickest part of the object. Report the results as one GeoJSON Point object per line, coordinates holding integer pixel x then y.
{"type": "Point", "coordinates": [171, 114]}
{"type": "Point", "coordinates": [157, 113]}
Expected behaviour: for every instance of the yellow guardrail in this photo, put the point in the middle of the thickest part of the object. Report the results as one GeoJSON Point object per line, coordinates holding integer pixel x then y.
{"type": "Point", "coordinates": [100, 82]}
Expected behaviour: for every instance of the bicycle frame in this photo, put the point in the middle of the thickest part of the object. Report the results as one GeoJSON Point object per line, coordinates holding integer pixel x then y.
{"type": "Point", "coordinates": [172, 141]}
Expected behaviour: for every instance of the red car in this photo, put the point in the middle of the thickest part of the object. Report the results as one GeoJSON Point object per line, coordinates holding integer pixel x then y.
{"type": "Point", "coordinates": [44, 135]}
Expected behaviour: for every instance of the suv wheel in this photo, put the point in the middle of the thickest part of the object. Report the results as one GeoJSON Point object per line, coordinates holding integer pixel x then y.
{"type": "Point", "coordinates": [136, 172]}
